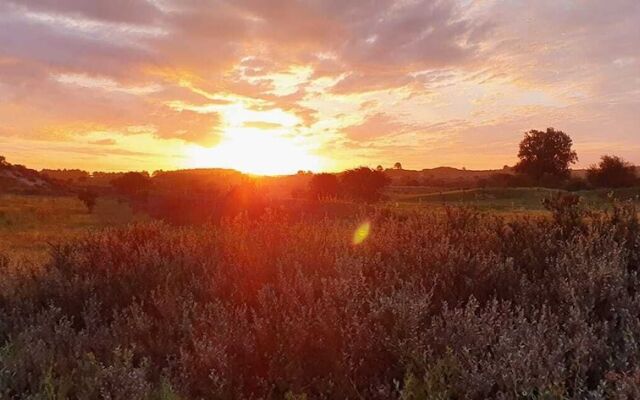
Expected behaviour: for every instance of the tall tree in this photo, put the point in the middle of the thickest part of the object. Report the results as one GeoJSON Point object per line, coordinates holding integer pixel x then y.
{"type": "Point", "coordinates": [546, 154]}
{"type": "Point", "coordinates": [134, 185]}
{"type": "Point", "coordinates": [612, 172]}
{"type": "Point", "coordinates": [364, 184]}
{"type": "Point", "coordinates": [324, 186]}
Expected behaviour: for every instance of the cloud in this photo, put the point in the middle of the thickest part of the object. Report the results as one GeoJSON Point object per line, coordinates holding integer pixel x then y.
{"type": "Point", "coordinates": [371, 75]}
{"type": "Point", "coordinates": [262, 125]}
{"type": "Point", "coordinates": [375, 127]}
{"type": "Point", "coordinates": [141, 11]}
{"type": "Point", "coordinates": [103, 142]}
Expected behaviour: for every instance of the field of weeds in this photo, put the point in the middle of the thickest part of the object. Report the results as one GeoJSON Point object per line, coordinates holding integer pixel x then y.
{"type": "Point", "coordinates": [429, 305]}
{"type": "Point", "coordinates": [28, 224]}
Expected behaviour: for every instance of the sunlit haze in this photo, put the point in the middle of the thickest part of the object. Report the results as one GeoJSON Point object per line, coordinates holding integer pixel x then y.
{"type": "Point", "coordinates": [273, 87]}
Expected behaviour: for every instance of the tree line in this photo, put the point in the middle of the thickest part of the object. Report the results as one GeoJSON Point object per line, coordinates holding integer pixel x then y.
{"type": "Point", "coordinates": [545, 159]}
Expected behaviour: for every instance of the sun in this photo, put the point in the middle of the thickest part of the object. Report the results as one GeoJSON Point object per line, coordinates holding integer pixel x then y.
{"type": "Point", "coordinates": [261, 142]}
{"type": "Point", "coordinates": [254, 152]}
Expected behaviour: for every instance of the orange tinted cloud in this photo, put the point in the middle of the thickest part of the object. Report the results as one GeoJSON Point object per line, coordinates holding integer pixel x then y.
{"type": "Point", "coordinates": [365, 80]}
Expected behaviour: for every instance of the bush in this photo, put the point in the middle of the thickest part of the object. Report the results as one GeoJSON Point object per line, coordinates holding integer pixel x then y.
{"type": "Point", "coordinates": [324, 186]}
{"type": "Point", "coordinates": [133, 185]}
{"type": "Point", "coordinates": [612, 172]}
{"type": "Point", "coordinates": [364, 184]}
{"type": "Point", "coordinates": [88, 198]}
{"type": "Point", "coordinates": [454, 304]}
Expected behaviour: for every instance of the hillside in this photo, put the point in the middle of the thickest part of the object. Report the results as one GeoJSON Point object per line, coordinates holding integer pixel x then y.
{"type": "Point", "coordinates": [449, 175]}
{"type": "Point", "coordinates": [442, 176]}
{"type": "Point", "coordinates": [22, 180]}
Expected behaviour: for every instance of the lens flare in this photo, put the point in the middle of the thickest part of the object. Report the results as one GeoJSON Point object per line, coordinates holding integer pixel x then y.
{"type": "Point", "coordinates": [361, 233]}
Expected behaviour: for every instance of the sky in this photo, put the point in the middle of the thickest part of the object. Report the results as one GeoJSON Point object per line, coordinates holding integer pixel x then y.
{"type": "Point", "coordinates": [275, 86]}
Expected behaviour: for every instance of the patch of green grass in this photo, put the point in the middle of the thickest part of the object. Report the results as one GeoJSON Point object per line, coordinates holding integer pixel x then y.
{"type": "Point", "coordinates": [499, 199]}
{"type": "Point", "coordinates": [512, 199]}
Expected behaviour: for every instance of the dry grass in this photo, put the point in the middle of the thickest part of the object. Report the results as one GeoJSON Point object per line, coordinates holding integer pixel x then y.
{"type": "Point", "coordinates": [29, 223]}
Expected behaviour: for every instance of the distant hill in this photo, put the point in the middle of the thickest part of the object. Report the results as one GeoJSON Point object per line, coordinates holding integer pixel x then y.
{"type": "Point", "coordinates": [20, 179]}
{"type": "Point", "coordinates": [441, 175]}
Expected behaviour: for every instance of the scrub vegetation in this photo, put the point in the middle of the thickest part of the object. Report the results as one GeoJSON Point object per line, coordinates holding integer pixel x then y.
{"type": "Point", "coordinates": [443, 304]}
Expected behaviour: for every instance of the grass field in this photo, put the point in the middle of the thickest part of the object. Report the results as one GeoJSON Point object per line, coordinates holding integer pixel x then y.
{"type": "Point", "coordinates": [506, 199]}
{"type": "Point", "coordinates": [29, 223]}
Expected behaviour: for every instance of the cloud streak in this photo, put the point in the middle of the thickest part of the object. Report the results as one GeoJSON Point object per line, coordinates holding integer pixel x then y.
{"type": "Point", "coordinates": [364, 80]}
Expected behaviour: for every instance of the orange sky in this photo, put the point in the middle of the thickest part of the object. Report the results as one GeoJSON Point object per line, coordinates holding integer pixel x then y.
{"type": "Point", "coordinates": [281, 85]}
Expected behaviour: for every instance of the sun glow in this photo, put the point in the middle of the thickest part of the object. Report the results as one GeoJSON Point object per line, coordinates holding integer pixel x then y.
{"type": "Point", "coordinates": [256, 141]}
{"type": "Point", "coordinates": [254, 152]}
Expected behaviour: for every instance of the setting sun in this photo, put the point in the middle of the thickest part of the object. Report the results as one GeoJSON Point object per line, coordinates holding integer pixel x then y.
{"type": "Point", "coordinates": [261, 142]}
{"type": "Point", "coordinates": [254, 152]}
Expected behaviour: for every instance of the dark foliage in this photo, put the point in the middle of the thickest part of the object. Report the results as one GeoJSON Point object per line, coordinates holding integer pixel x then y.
{"type": "Point", "coordinates": [546, 155]}
{"type": "Point", "coordinates": [612, 172]}
{"type": "Point", "coordinates": [364, 184]}
{"type": "Point", "coordinates": [133, 185]}
{"type": "Point", "coordinates": [67, 175]}
{"type": "Point", "coordinates": [324, 186]}
{"type": "Point", "coordinates": [88, 198]}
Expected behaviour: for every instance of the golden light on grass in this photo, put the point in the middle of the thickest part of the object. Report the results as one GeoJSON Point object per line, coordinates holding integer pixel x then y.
{"type": "Point", "coordinates": [361, 233]}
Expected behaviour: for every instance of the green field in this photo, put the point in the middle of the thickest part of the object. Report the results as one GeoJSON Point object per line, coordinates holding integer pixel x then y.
{"type": "Point", "coordinates": [507, 199]}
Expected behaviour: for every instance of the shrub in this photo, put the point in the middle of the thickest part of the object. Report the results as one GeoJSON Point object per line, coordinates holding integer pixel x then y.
{"type": "Point", "coordinates": [364, 184]}
{"type": "Point", "coordinates": [133, 185]}
{"type": "Point", "coordinates": [324, 186]}
{"type": "Point", "coordinates": [88, 198]}
{"type": "Point", "coordinates": [454, 304]}
{"type": "Point", "coordinates": [612, 172]}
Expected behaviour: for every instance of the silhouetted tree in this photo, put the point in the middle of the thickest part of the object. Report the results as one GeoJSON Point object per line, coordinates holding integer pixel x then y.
{"type": "Point", "coordinates": [68, 175]}
{"type": "Point", "coordinates": [397, 165]}
{"type": "Point", "coordinates": [364, 183]}
{"type": "Point", "coordinates": [3, 161]}
{"type": "Point", "coordinates": [546, 154]}
{"type": "Point", "coordinates": [89, 198]}
{"type": "Point", "coordinates": [612, 172]}
{"type": "Point", "coordinates": [380, 168]}
{"type": "Point", "coordinates": [324, 186]}
{"type": "Point", "coordinates": [133, 185]}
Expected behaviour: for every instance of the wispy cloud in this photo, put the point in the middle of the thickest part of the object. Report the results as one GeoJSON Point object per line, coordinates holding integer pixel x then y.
{"type": "Point", "coordinates": [359, 81]}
